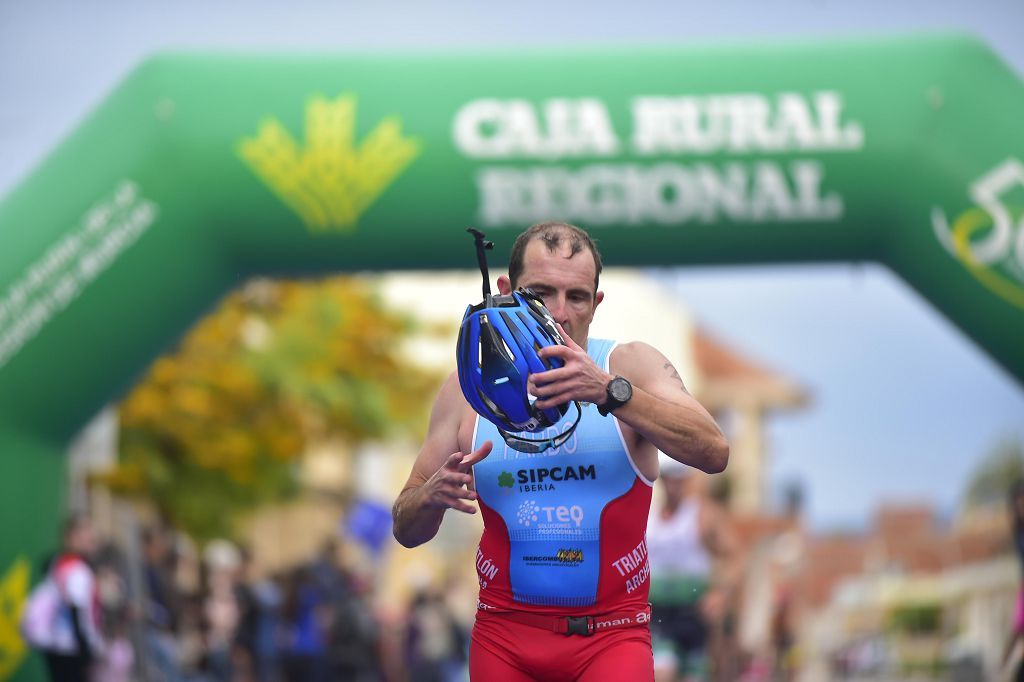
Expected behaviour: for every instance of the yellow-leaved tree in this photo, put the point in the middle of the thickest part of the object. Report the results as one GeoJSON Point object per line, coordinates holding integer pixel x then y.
{"type": "Point", "coordinates": [215, 428]}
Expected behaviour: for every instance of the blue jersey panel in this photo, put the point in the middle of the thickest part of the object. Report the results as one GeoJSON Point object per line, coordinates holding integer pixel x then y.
{"type": "Point", "coordinates": [552, 501]}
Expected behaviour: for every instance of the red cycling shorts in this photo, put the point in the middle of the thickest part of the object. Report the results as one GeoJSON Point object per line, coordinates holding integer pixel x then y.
{"type": "Point", "coordinates": [505, 651]}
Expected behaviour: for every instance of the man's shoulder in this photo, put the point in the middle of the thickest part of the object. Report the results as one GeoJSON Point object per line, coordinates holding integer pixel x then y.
{"type": "Point", "coordinates": [634, 347]}
{"type": "Point", "coordinates": [450, 404]}
{"type": "Point", "coordinates": [450, 393]}
{"type": "Point", "coordinates": [634, 351]}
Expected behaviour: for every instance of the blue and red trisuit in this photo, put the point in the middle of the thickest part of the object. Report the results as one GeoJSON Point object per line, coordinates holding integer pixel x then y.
{"type": "Point", "coordinates": [562, 561]}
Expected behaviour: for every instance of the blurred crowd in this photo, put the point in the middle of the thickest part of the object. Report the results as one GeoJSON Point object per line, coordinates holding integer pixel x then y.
{"type": "Point", "coordinates": [723, 611]}
{"type": "Point", "coordinates": [176, 616]}
{"type": "Point", "coordinates": [172, 613]}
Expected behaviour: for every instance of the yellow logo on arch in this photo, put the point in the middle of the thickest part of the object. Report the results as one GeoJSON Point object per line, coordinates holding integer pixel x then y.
{"type": "Point", "coordinates": [988, 239]}
{"type": "Point", "coordinates": [13, 593]}
{"type": "Point", "coordinates": [330, 180]}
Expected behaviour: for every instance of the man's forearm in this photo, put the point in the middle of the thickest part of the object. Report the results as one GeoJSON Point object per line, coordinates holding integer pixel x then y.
{"type": "Point", "coordinates": [678, 431]}
{"type": "Point", "coordinates": [414, 521]}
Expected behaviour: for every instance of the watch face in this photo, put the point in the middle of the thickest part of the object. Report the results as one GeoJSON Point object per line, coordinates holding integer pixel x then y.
{"type": "Point", "coordinates": [620, 389]}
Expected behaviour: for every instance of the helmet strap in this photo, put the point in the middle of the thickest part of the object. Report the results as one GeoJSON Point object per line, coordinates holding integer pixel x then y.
{"type": "Point", "coordinates": [535, 445]}
{"type": "Point", "coordinates": [482, 246]}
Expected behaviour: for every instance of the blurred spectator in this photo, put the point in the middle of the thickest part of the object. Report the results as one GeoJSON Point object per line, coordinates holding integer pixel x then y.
{"type": "Point", "coordinates": [326, 571]}
{"type": "Point", "coordinates": [221, 607]}
{"type": "Point", "coordinates": [435, 643]}
{"type": "Point", "coordinates": [1016, 511]}
{"type": "Point", "coordinates": [687, 535]}
{"type": "Point", "coordinates": [257, 653]}
{"type": "Point", "coordinates": [110, 582]}
{"type": "Point", "coordinates": [119, 663]}
{"type": "Point", "coordinates": [62, 617]}
{"type": "Point", "coordinates": [249, 613]}
{"type": "Point", "coordinates": [191, 639]}
{"type": "Point", "coordinates": [118, 616]}
{"type": "Point", "coordinates": [156, 557]}
{"type": "Point", "coordinates": [307, 618]}
{"type": "Point", "coordinates": [268, 601]}
{"type": "Point", "coordinates": [783, 635]}
{"type": "Point", "coordinates": [355, 633]}
{"type": "Point", "coordinates": [159, 603]}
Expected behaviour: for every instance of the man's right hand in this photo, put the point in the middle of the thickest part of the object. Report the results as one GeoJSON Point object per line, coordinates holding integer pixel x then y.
{"type": "Point", "coordinates": [449, 486]}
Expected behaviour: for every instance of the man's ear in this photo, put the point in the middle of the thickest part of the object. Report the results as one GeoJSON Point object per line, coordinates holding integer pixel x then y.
{"type": "Point", "coordinates": [598, 297]}
{"type": "Point", "coordinates": [504, 285]}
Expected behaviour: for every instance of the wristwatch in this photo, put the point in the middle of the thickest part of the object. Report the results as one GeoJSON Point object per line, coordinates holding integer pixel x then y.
{"type": "Point", "coordinates": [619, 392]}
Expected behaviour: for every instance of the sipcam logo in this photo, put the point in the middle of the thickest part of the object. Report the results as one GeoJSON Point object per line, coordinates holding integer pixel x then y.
{"type": "Point", "coordinates": [988, 239]}
{"type": "Point", "coordinates": [539, 479]}
{"type": "Point", "coordinates": [329, 181]}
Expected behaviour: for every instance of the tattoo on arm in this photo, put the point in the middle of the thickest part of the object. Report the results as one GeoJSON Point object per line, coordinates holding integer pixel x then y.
{"type": "Point", "coordinates": [675, 375]}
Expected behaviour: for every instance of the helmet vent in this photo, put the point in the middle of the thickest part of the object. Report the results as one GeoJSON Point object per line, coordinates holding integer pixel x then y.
{"type": "Point", "coordinates": [492, 406]}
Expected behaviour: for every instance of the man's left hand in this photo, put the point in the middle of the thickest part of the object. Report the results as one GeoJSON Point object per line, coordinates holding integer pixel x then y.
{"type": "Point", "coordinates": [579, 377]}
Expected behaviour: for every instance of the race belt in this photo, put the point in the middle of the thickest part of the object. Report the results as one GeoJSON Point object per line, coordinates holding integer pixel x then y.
{"type": "Point", "coordinates": [584, 626]}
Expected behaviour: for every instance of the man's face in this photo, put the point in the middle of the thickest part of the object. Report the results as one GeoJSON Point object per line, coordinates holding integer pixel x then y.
{"type": "Point", "coordinates": [565, 284]}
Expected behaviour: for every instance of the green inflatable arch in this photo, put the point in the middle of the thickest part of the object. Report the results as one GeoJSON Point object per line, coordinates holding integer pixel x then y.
{"type": "Point", "coordinates": [201, 170]}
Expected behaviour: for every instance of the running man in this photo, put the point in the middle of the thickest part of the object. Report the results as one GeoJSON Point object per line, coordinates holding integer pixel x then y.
{"type": "Point", "coordinates": [562, 561]}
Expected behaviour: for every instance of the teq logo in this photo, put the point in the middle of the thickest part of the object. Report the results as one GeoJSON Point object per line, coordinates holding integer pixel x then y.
{"type": "Point", "coordinates": [528, 512]}
{"type": "Point", "coordinates": [996, 259]}
{"type": "Point", "coordinates": [328, 182]}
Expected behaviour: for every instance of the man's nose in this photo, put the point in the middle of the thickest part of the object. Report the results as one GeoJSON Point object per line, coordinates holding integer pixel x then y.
{"type": "Point", "coordinates": [556, 306]}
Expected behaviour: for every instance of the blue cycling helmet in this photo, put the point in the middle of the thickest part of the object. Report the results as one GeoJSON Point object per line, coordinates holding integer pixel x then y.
{"type": "Point", "coordinates": [497, 351]}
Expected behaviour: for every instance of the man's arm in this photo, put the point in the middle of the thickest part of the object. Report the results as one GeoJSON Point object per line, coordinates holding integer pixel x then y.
{"type": "Point", "coordinates": [440, 476]}
{"type": "Point", "coordinates": [661, 409]}
{"type": "Point", "coordinates": [665, 413]}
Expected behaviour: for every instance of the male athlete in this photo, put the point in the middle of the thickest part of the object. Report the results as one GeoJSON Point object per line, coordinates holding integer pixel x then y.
{"type": "Point", "coordinates": [562, 561]}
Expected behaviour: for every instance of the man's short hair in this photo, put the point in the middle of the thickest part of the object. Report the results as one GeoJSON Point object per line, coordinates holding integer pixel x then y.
{"type": "Point", "coordinates": [553, 234]}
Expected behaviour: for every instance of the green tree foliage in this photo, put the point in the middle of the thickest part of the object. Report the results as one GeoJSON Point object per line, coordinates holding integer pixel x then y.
{"type": "Point", "coordinates": [916, 619]}
{"type": "Point", "coordinates": [991, 480]}
{"type": "Point", "coordinates": [215, 428]}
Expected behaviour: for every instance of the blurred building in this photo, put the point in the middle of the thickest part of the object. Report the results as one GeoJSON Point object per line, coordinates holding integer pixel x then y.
{"type": "Point", "coordinates": [743, 395]}
{"type": "Point", "coordinates": [855, 589]}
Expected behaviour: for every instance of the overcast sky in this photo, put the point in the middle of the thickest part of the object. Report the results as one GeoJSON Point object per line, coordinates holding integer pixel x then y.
{"type": "Point", "coordinates": [904, 405]}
